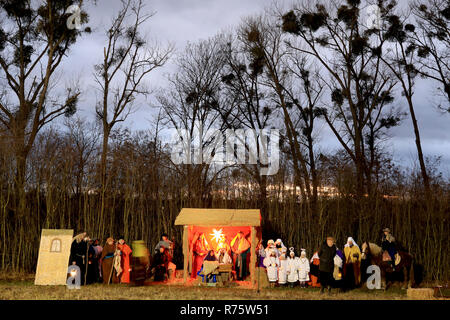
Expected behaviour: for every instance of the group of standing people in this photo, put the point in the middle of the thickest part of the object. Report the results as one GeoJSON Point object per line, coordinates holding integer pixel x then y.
{"type": "Point", "coordinates": [328, 266]}
{"type": "Point", "coordinates": [114, 262]}
{"type": "Point", "coordinates": [235, 253]}
{"type": "Point", "coordinates": [281, 267]}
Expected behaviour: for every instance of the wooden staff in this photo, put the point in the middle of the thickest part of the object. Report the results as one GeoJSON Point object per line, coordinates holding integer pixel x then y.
{"type": "Point", "coordinates": [112, 265]}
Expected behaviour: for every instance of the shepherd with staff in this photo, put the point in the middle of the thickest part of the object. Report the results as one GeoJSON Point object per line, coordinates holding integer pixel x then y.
{"type": "Point", "coordinates": [108, 258]}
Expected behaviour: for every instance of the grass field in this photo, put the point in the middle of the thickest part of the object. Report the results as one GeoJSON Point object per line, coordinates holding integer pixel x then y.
{"type": "Point", "coordinates": [23, 288]}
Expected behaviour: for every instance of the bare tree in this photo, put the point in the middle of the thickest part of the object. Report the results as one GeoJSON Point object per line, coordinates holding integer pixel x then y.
{"type": "Point", "coordinates": [190, 104]}
{"type": "Point", "coordinates": [33, 41]}
{"type": "Point", "coordinates": [333, 37]}
{"type": "Point", "coordinates": [127, 61]}
{"type": "Point", "coordinates": [430, 40]}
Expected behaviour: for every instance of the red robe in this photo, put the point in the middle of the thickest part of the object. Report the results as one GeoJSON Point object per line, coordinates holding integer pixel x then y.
{"type": "Point", "coordinates": [125, 262]}
{"type": "Point", "coordinates": [201, 248]}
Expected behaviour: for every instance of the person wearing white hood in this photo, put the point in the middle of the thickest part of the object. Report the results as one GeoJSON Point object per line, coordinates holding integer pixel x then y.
{"type": "Point", "coordinates": [279, 246]}
{"type": "Point", "coordinates": [303, 270]}
{"type": "Point", "coordinates": [271, 262]}
{"type": "Point", "coordinates": [270, 246]}
{"type": "Point", "coordinates": [293, 264]}
{"type": "Point", "coordinates": [282, 274]}
{"type": "Point", "coordinates": [352, 267]}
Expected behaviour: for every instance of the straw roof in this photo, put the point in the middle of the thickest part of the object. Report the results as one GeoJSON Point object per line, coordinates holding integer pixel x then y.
{"type": "Point", "coordinates": [219, 217]}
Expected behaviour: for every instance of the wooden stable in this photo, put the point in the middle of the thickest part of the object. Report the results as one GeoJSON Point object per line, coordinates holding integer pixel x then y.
{"type": "Point", "coordinates": [231, 221]}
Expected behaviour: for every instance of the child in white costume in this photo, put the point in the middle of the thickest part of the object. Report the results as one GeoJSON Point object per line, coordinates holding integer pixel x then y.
{"type": "Point", "coordinates": [303, 271]}
{"type": "Point", "coordinates": [293, 264]}
{"type": "Point", "coordinates": [282, 275]}
{"type": "Point", "coordinates": [272, 263]}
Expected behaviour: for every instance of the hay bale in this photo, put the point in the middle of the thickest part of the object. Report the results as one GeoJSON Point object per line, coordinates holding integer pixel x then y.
{"type": "Point", "coordinates": [420, 293]}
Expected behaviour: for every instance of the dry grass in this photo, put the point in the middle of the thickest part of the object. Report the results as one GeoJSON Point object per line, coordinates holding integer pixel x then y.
{"type": "Point", "coordinates": [25, 289]}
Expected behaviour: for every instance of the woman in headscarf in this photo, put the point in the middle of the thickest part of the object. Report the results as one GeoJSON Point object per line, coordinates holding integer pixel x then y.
{"type": "Point", "coordinates": [200, 249]}
{"type": "Point", "coordinates": [352, 266]}
{"type": "Point", "coordinates": [107, 259]}
{"type": "Point", "coordinates": [125, 261]}
{"type": "Point", "coordinates": [223, 257]}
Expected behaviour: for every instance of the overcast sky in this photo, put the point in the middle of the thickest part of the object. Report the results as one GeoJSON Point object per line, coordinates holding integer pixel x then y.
{"type": "Point", "coordinates": [180, 21]}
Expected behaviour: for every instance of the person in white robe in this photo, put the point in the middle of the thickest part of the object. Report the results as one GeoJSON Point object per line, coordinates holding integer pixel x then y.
{"type": "Point", "coordinates": [223, 257]}
{"type": "Point", "coordinates": [279, 246]}
{"type": "Point", "coordinates": [282, 270]}
{"type": "Point", "coordinates": [293, 264]}
{"type": "Point", "coordinates": [272, 263]}
{"type": "Point", "coordinates": [270, 246]}
{"type": "Point", "coordinates": [303, 270]}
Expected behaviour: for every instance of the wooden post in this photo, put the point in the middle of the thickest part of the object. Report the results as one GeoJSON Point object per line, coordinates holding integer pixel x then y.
{"type": "Point", "coordinates": [253, 256]}
{"type": "Point", "coordinates": [185, 252]}
{"type": "Point", "coordinates": [190, 252]}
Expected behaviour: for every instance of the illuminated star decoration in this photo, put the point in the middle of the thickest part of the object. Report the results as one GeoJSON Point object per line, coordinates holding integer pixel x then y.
{"type": "Point", "coordinates": [217, 235]}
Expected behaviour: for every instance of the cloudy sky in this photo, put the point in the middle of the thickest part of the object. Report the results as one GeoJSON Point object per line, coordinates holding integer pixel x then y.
{"type": "Point", "coordinates": [181, 21]}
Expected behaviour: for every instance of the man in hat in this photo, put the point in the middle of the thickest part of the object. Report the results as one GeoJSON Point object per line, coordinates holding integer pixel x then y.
{"type": "Point", "coordinates": [388, 244]}
{"type": "Point", "coordinates": [327, 253]}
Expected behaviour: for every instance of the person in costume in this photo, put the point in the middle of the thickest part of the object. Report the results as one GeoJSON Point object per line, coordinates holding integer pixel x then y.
{"type": "Point", "coordinates": [352, 266]}
{"type": "Point", "coordinates": [388, 244]}
{"type": "Point", "coordinates": [223, 257]}
{"type": "Point", "coordinates": [293, 264]}
{"type": "Point", "coordinates": [270, 246]}
{"type": "Point", "coordinates": [165, 242]}
{"type": "Point", "coordinates": [314, 270]}
{"type": "Point", "coordinates": [79, 253]}
{"type": "Point", "coordinates": [125, 260]}
{"type": "Point", "coordinates": [160, 264]}
{"type": "Point", "coordinates": [303, 269]}
{"type": "Point", "coordinates": [200, 249]}
{"type": "Point", "coordinates": [240, 246]}
{"type": "Point", "coordinates": [107, 258]}
{"type": "Point", "coordinates": [327, 253]}
{"type": "Point", "coordinates": [338, 280]}
{"type": "Point", "coordinates": [280, 247]}
{"type": "Point", "coordinates": [261, 254]}
{"type": "Point", "coordinates": [272, 263]}
{"type": "Point", "coordinates": [92, 275]}
{"type": "Point", "coordinates": [282, 270]}
{"type": "Point", "coordinates": [98, 255]}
